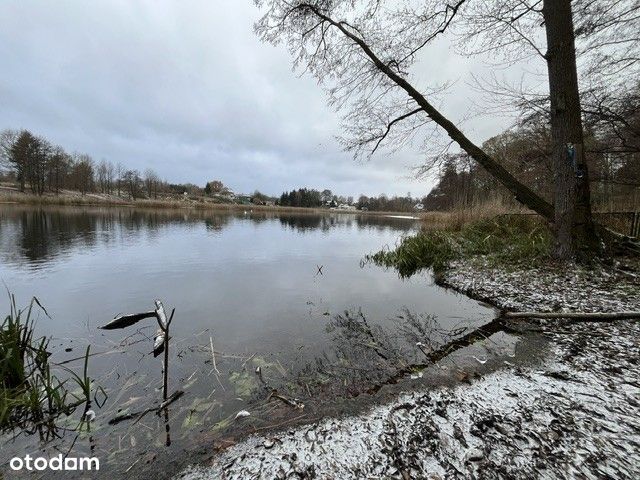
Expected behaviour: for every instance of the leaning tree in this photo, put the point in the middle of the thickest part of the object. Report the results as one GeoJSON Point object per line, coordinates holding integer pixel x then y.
{"type": "Point", "coordinates": [362, 52]}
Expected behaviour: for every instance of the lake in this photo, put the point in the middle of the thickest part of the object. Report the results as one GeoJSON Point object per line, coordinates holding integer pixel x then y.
{"type": "Point", "coordinates": [284, 292]}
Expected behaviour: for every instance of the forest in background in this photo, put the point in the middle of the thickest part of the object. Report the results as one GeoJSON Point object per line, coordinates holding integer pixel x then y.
{"type": "Point", "coordinates": [35, 165]}
{"type": "Point", "coordinates": [612, 150]}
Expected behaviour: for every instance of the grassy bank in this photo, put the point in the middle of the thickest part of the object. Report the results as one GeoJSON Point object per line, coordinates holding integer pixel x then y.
{"type": "Point", "coordinates": [506, 239]}
{"type": "Point", "coordinates": [32, 397]}
{"type": "Point", "coordinates": [68, 198]}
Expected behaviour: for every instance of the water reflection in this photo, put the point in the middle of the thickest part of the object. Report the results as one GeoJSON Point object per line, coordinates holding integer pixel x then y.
{"type": "Point", "coordinates": [247, 293]}
{"type": "Point", "coordinates": [33, 236]}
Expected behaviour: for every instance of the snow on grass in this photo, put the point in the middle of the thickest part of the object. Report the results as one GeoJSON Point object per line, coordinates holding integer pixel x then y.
{"type": "Point", "coordinates": [577, 416]}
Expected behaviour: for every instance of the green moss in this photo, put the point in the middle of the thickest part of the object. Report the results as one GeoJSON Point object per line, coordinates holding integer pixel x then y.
{"type": "Point", "coordinates": [243, 384]}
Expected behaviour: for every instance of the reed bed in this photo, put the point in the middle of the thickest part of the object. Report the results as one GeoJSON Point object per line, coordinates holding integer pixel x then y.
{"type": "Point", "coordinates": [32, 397]}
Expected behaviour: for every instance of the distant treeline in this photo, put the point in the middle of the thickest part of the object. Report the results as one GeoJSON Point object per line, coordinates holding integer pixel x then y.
{"type": "Point", "coordinates": [382, 203]}
{"type": "Point", "coordinates": [38, 166]}
{"type": "Point", "coordinates": [311, 198]}
{"type": "Point", "coordinates": [304, 197]}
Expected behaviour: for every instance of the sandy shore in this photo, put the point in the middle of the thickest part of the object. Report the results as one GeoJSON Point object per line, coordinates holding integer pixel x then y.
{"type": "Point", "coordinates": [576, 414]}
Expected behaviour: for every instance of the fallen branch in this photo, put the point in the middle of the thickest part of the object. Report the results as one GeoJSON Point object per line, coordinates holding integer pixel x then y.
{"type": "Point", "coordinates": [479, 334]}
{"type": "Point", "coordinates": [293, 403]}
{"type": "Point", "coordinates": [587, 317]}
{"type": "Point", "coordinates": [213, 362]}
{"type": "Point", "coordinates": [138, 415]}
{"type": "Point", "coordinates": [213, 355]}
{"type": "Point", "coordinates": [172, 398]}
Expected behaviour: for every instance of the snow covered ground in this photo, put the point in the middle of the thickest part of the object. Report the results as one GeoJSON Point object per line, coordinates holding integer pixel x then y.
{"type": "Point", "coordinates": [575, 415]}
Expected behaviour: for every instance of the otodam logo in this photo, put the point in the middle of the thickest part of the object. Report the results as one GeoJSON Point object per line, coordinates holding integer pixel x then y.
{"type": "Point", "coordinates": [58, 463]}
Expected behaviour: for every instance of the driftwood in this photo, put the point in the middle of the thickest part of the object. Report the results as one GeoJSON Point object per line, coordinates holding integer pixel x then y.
{"type": "Point", "coordinates": [172, 398]}
{"type": "Point", "coordinates": [293, 403]}
{"type": "Point", "coordinates": [138, 415]}
{"type": "Point", "coordinates": [585, 317]}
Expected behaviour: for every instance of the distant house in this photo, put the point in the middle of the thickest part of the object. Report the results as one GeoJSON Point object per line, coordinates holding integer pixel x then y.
{"type": "Point", "coordinates": [344, 206]}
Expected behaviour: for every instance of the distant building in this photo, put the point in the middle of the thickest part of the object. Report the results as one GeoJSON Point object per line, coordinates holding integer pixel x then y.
{"type": "Point", "coordinates": [344, 206]}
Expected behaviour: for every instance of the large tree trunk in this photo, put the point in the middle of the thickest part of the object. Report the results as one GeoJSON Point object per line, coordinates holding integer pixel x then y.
{"type": "Point", "coordinates": [573, 223]}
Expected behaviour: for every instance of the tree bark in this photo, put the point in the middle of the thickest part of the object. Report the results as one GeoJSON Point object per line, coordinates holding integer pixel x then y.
{"type": "Point", "coordinates": [573, 224]}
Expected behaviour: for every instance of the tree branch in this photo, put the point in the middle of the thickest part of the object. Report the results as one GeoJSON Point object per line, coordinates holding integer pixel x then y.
{"type": "Point", "coordinates": [521, 192]}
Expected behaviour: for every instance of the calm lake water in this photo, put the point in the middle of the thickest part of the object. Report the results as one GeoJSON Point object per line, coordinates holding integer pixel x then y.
{"type": "Point", "coordinates": [267, 290]}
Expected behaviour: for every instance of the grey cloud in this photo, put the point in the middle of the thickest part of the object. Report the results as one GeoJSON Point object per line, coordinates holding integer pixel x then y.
{"type": "Point", "coordinates": [187, 89]}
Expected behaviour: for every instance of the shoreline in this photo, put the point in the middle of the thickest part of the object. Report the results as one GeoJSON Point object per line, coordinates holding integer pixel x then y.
{"type": "Point", "coordinates": [201, 204]}
{"type": "Point", "coordinates": [571, 414]}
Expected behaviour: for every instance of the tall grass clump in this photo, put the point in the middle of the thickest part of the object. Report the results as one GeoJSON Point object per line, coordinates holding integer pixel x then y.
{"type": "Point", "coordinates": [31, 395]}
{"type": "Point", "coordinates": [434, 249]}
{"type": "Point", "coordinates": [505, 239]}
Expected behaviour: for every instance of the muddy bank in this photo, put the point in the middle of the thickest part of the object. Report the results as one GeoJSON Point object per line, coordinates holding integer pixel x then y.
{"type": "Point", "coordinates": [576, 414]}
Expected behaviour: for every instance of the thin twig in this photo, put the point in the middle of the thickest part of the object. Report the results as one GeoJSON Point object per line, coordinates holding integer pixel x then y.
{"type": "Point", "coordinates": [213, 355]}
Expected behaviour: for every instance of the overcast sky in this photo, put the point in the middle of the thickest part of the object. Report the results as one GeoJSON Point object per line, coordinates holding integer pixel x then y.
{"type": "Point", "coordinates": [186, 88]}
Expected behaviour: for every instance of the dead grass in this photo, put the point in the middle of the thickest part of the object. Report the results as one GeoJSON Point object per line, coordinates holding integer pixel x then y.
{"type": "Point", "coordinates": [455, 220]}
{"type": "Point", "coordinates": [71, 198]}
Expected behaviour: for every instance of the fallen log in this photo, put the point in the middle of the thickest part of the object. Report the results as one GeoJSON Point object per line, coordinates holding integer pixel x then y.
{"type": "Point", "coordinates": [586, 317]}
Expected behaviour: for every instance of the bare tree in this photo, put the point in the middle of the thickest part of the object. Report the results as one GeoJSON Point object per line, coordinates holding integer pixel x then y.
{"type": "Point", "coordinates": [111, 172]}
{"type": "Point", "coordinates": [82, 173]}
{"type": "Point", "coordinates": [596, 38]}
{"type": "Point", "coordinates": [58, 168]}
{"type": "Point", "coordinates": [101, 176]}
{"type": "Point", "coordinates": [7, 139]}
{"type": "Point", "coordinates": [151, 181]}
{"type": "Point", "coordinates": [362, 53]}
{"type": "Point", "coordinates": [132, 181]}
{"type": "Point", "coordinates": [119, 174]}
{"type": "Point", "coordinates": [574, 228]}
{"type": "Point", "coordinates": [28, 156]}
